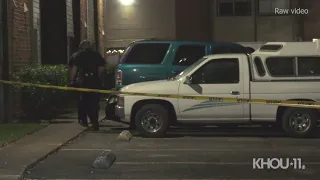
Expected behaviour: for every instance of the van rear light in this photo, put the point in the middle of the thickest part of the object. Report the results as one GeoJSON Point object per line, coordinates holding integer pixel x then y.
{"type": "Point", "coordinates": [118, 77]}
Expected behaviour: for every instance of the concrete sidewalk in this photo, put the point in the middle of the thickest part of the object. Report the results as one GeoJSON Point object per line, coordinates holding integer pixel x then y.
{"type": "Point", "coordinates": [21, 155]}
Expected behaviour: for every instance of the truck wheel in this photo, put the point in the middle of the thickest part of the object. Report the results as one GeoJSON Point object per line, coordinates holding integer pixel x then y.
{"type": "Point", "coordinates": [299, 122]}
{"type": "Point", "coordinates": [152, 120]}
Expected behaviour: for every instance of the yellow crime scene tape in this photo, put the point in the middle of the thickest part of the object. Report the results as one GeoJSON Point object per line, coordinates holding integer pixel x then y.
{"type": "Point", "coordinates": [304, 104]}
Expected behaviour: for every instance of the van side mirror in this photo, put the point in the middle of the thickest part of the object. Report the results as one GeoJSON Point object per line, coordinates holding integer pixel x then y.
{"type": "Point", "coordinates": [188, 80]}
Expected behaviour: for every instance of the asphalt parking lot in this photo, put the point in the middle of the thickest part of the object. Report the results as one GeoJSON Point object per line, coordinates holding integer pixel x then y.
{"type": "Point", "coordinates": [206, 153]}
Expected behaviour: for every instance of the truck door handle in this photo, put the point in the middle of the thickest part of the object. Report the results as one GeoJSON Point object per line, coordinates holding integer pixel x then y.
{"type": "Point", "coordinates": [235, 92]}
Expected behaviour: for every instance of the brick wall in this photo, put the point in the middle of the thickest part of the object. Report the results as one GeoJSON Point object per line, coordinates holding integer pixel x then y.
{"type": "Point", "coordinates": [19, 34]}
{"type": "Point", "coordinates": [101, 26]}
{"type": "Point", "coordinates": [83, 12]}
{"type": "Point", "coordinates": [36, 39]}
{"type": "Point", "coordinates": [84, 23]}
{"type": "Point", "coordinates": [91, 21]}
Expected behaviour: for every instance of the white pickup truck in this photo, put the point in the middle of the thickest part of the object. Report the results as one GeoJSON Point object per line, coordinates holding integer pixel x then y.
{"type": "Point", "coordinates": [278, 70]}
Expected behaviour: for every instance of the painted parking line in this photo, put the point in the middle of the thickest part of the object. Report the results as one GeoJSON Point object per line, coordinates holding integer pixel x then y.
{"type": "Point", "coordinates": [89, 149]}
{"type": "Point", "coordinates": [199, 163]}
{"type": "Point", "coordinates": [180, 179]}
{"type": "Point", "coordinates": [195, 150]}
{"type": "Point", "coordinates": [177, 163]}
{"type": "Point", "coordinates": [220, 150]}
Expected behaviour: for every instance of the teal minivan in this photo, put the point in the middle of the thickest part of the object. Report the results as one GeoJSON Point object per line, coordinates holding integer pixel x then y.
{"type": "Point", "coordinates": [149, 60]}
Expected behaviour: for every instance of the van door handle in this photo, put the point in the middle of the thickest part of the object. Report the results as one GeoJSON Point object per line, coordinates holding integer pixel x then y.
{"type": "Point", "coordinates": [235, 92]}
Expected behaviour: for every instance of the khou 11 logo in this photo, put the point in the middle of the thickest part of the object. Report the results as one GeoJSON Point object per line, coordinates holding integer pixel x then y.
{"type": "Point", "coordinates": [278, 163]}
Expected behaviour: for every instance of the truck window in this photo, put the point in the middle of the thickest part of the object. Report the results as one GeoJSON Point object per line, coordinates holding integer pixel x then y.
{"type": "Point", "coordinates": [309, 66]}
{"type": "Point", "coordinates": [218, 71]}
{"type": "Point", "coordinates": [259, 66]}
{"type": "Point", "coordinates": [281, 66]}
{"type": "Point", "coordinates": [188, 54]}
{"type": "Point", "coordinates": [146, 53]}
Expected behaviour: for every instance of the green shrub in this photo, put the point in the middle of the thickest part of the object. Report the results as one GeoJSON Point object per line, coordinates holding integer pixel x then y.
{"type": "Point", "coordinates": [40, 103]}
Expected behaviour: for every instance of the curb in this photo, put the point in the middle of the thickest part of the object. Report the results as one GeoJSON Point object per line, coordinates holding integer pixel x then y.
{"type": "Point", "coordinates": [107, 159]}
{"type": "Point", "coordinates": [125, 136]}
{"type": "Point", "coordinates": [104, 161]}
{"type": "Point", "coordinates": [55, 150]}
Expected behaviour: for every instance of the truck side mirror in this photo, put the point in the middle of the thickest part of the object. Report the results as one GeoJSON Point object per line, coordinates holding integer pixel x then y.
{"type": "Point", "coordinates": [188, 80]}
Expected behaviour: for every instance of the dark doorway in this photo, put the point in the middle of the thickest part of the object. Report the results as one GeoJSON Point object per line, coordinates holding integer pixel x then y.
{"type": "Point", "coordinates": [53, 32]}
{"type": "Point", "coordinates": [77, 25]}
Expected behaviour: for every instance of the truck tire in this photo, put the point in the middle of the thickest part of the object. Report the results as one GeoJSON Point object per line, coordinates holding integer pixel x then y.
{"type": "Point", "coordinates": [299, 122]}
{"type": "Point", "coordinates": [152, 121]}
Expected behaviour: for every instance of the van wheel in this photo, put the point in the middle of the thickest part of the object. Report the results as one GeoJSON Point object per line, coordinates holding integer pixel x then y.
{"type": "Point", "coordinates": [152, 120]}
{"type": "Point", "coordinates": [299, 122]}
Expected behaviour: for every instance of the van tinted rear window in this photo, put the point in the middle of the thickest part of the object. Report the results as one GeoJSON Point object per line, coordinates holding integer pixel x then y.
{"type": "Point", "coordinates": [145, 53]}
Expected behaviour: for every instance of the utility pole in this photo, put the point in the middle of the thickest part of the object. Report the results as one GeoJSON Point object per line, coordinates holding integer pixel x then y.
{"type": "Point", "coordinates": [2, 15]}
{"type": "Point", "coordinates": [4, 62]}
{"type": "Point", "coordinates": [96, 25]}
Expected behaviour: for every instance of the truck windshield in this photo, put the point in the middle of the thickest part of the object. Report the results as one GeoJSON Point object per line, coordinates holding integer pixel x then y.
{"type": "Point", "coordinates": [190, 68]}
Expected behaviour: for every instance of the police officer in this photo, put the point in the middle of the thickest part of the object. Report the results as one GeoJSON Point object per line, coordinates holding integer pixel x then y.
{"type": "Point", "coordinates": [82, 116]}
{"type": "Point", "coordinates": [89, 65]}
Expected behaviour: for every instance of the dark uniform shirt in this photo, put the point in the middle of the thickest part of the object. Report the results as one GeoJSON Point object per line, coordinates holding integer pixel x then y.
{"type": "Point", "coordinates": [88, 62]}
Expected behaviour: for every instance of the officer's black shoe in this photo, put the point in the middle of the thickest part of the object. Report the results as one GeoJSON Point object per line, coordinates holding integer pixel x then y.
{"type": "Point", "coordinates": [84, 124]}
{"type": "Point", "coordinates": [95, 127]}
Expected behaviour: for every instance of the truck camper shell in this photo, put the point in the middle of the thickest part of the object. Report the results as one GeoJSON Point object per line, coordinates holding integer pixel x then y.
{"type": "Point", "coordinates": [294, 57]}
{"type": "Point", "coordinates": [290, 48]}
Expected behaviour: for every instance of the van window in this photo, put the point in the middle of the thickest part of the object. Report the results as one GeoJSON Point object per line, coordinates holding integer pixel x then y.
{"type": "Point", "coordinates": [309, 66]}
{"type": "Point", "coordinates": [281, 66]}
{"type": "Point", "coordinates": [146, 53]}
{"type": "Point", "coordinates": [259, 66]}
{"type": "Point", "coordinates": [226, 50]}
{"type": "Point", "coordinates": [188, 54]}
{"type": "Point", "coordinates": [218, 71]}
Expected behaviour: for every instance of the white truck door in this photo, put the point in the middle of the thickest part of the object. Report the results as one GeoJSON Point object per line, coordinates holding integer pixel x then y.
{"type": "Point", "coordinates": [218, 77]}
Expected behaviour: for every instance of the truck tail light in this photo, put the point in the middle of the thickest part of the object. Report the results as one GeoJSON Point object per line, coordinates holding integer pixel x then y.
{"type": "Point", "coordinates": [118, 77]}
